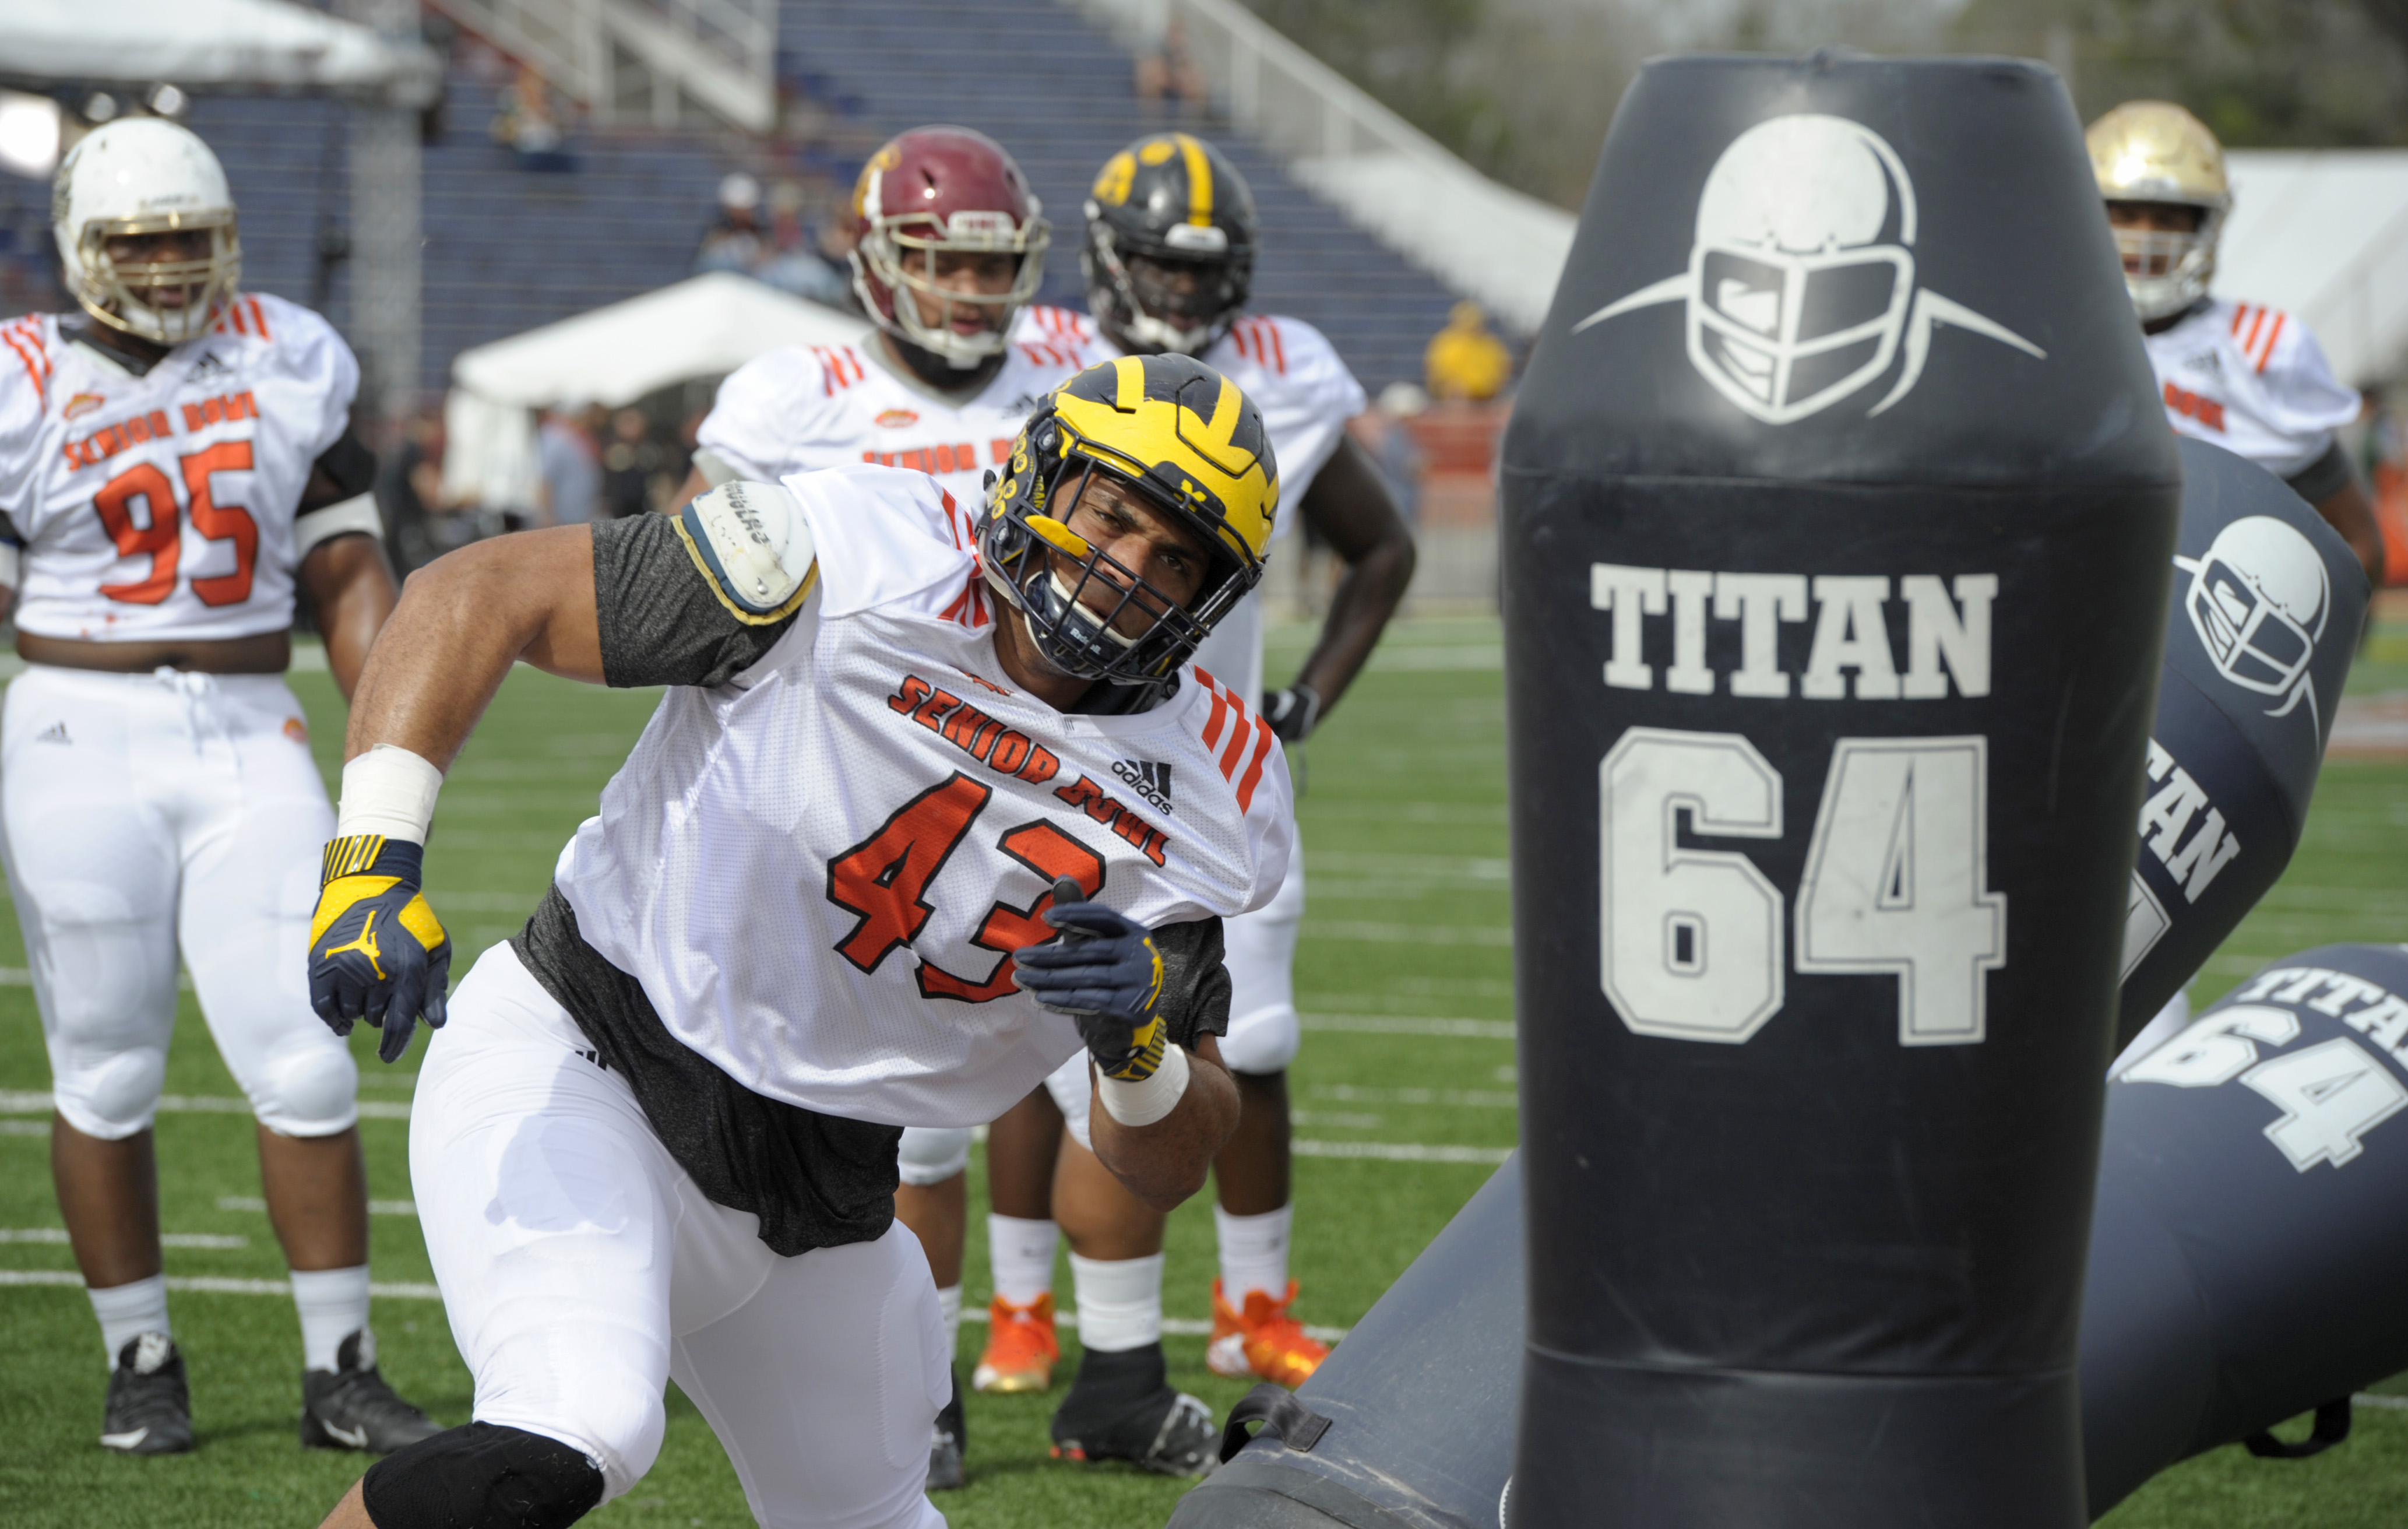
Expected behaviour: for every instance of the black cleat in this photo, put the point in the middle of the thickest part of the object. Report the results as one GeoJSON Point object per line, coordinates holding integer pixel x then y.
{"type": "Point", "coordinates": [150, 1408]}
{"type": "Point", "coordinates": [951, 1441]}
{"type": "Point", "coordinates": [351, 1407]}
{"type": "Point", "coordinates": [1123, 1408]}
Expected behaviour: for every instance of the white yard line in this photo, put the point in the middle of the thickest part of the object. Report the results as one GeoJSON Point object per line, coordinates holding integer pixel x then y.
{"type": "Point", "coordinates": [1401, 1151]}
{"type": "Point", "coordinates": [174, 1239]}
{"type": "Point", "coordinates": [376, 1208]}
{"type": "Point", "coordinates": [213, 1285]}
{"type": "Point", "coordinates": [1400, 1024]}
{"type": "Point", "coordinates": [28, 1102]}
{"type": "Point", "coordinates": [1409, 934]}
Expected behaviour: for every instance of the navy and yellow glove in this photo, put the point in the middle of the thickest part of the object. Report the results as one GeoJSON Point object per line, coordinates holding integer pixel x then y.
{"type": "Point", "coordinates": [377, 951]}
{"type": "Point", "coordinates": [1105, 973]}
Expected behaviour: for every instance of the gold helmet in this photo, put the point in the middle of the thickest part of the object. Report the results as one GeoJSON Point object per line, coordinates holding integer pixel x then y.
{"type": "Point", "coordinates": [1194, 447]}
{"type": "Point", "coordinates": [2155, 152]}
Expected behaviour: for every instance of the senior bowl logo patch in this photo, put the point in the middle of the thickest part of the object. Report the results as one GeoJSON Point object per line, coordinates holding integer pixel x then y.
{"type": "Point", "coordinates": [82, 404]}
{"type": "Point", "coordinates": [296, 729]}
{"type": "Point", "coordinates": [897, 419]}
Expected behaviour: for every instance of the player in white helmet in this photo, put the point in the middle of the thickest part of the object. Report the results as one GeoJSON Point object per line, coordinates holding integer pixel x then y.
{"type": "Point", "coordinates": [949, 246]}
{"type": "Point", "coordinates": [1170, 241]}
{"type": "Point", "coordinates": [2248, 378]}
{"type": "Point", "coordinates": [657, 1134]}
{"type": "Point", "coordinates": [175, 463]}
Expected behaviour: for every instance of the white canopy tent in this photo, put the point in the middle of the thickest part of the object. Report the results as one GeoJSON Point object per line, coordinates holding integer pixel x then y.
{"type": "Point", "coordinates": [707, 327]}
{"type": "Point", "coordinates": [205, 43]}
{"type": "Point", "coordinates": [2323, 234]}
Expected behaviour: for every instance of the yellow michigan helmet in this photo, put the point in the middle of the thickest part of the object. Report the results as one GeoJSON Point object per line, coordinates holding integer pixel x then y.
{"type": "Point", "coordinates": [2155, 152]}
{"type": "Point", "coordinates": [1195, 448]}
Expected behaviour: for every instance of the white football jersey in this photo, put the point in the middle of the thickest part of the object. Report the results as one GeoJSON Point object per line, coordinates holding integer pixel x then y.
{"type": "Point", "coordinates": [162, 506]}
{"type": "Point", "coordinates": [817, 872]}
{"type": "Point", "coordinates": [807, 406]}
{"type": "Point", "coordinates": [1306, 394]}
{"type": "Point", "coordinates": [2253, 380]}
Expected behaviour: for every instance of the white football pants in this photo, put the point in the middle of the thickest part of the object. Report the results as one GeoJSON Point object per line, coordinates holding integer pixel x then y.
{"type": "Point", "coordinates": [583, 1269]}
{"type": "Point", "coordinates": [147, 815]}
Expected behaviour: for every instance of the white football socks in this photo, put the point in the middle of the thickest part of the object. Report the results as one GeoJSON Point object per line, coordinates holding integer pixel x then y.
{"type": "Point", "coordinates": [1254, 1253]}
{"type": "Point", "coordinates": [128, 1311]}
{"type": "Point", "coordinates": [334, 1305]}
{"type": "Point", "coordinates": [949, 1303]}
{"type": "Point", "coordinates": [1120, 1301]}
{"type": "Point", "coordinates": [1021, 1253]}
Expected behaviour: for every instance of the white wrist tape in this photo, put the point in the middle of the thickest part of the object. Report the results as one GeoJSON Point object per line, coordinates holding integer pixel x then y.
{"type": "Point", "coordinates": [1143, 1102]}
{"type": "Point", "coordinates": [388, 790]}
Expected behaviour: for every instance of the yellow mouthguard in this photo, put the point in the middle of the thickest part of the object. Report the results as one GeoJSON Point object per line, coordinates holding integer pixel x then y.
{"type": "Point", "coordinates": [1061, 536]}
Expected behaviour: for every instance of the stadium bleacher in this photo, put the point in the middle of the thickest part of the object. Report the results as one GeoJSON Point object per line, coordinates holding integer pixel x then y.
{"type": "Point", "coordinates": [508, 249]}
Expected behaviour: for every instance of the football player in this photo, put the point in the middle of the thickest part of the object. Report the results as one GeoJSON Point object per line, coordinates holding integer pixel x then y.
{"type": "Point", "coordinates": [174, 460]}
{"type": "Point", "coordinates": [870, 865]}
{"type": "Point", "coordinates": [2250, 379]}
{"type": "Point", "coordinates": [948, 247]}
{"type": "Point", "coordinates": [1169, 257]}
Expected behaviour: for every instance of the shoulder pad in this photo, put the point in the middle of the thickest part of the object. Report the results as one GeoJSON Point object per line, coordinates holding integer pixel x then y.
{"type": "Point", "coordinates": [751, 541]}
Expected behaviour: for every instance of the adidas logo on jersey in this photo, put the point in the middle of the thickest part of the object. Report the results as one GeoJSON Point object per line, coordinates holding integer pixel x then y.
{"type": "Point", "coordinates": [1151, 779]}
{"type": "Point", "coordinates": [55, 733]}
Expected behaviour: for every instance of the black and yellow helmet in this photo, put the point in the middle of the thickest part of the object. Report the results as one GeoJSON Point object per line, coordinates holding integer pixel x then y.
{"type": "Point", "coordinates": [1193, 446]}
{"type": "Point", "coordinates": [1170, 255]}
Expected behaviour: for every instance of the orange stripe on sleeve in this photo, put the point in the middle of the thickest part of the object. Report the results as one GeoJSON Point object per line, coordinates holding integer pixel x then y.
{"type": "Point", "coordinates": [1254, 767]}
{"type": "Point", "coordinates": [1220, 716]}
{"type": "Point", "coordinates": [1235, 754]}
{"type": "Point", "coordinates": [2272, 336]}
{"type": "Point", "coordinates": [258, 317]}
{"type": "Point", "coordinates": [2240, 316]}
{"type": "Point", "coordinates": [2258, 322]}
{"type": "Point", "coordinates": [1279, 348]}
{"type": "Point", "coordinates": [41, 384]}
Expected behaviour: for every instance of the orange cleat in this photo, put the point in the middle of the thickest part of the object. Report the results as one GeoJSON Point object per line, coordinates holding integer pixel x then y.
{"type": "Point", "coordinates": [1271, 1343]}
{"type": "Point", "coordinates": [1021, 1348]}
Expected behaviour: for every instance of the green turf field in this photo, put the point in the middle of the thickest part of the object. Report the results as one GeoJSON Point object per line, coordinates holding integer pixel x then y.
{"type": "Point", "coordinates": [1404, 1097]}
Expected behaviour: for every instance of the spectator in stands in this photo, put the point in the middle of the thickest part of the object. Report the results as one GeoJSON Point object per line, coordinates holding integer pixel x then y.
{"type": "Point", "coordinates": [409, 492]}
{"type": "Point", "coordinates": [633, 466]}
{"type": "Point", "coordinates": [1382, 432]}
{"type": "Point", "coordinates": [530, 125]}
{"type": "Point", "coordinates": [1464, 360]}
{"type": "Point", "coordinates": [1168, 78]}
{"type": "Point", "coordinates": [568, 465]}
{"type": "Point", "coordinates": [792, 264]}
{"type": "Point", "coordinates": [738, 238]}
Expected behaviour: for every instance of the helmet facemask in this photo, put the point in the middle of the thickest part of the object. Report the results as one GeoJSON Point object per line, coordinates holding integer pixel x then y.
{"type": "Point", "coordinates": [1141, 301]}
{"type": "Point", "coordinates": [1074, 596]}
{"type": "Point", "coordinates": [118, 294]}
{"type": "Point", "coordinates": [900, 252]}
{"type": "Point", "coordinates": [2167, 270]}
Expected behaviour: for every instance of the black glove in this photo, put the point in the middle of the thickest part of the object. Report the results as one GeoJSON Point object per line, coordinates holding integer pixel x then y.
{"type": "Point", "coordinates": [1292, 712]}
{"type": "Point", "coordinates": [1103, 971]}
{"type": "Point", "coordinates": [377, 951]}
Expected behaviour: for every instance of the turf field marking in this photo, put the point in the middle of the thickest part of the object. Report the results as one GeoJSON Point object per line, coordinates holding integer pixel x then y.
{"type": "Point", "coordinates": [215, 1285]}
{"type": "Point", "coordinates": [1401, 1151]}
{"type": "Point", "coordinates": [172, 1239]}
{"type": "Point", "coordinates": [1409, 934]}
{"type": "Point", "coordinates": [376, 1208]}
{"type": "Point", "coordinates": [1342, 1120]}
{"type": "Point", "coordinates": [1416, 659]}
{"type": "Point", "coordinates": [2387, 1404]}
{"type": "Point", "coordinates": [1463, 1098]}
{"type": "Point", "coordinates": [1399, 1024]}
{"type": "Point", "coordinates": [23, 1103]}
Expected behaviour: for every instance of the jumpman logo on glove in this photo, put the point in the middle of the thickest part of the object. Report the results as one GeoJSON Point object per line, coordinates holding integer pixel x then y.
{"type": "Point", "coordinates": [365, 877]}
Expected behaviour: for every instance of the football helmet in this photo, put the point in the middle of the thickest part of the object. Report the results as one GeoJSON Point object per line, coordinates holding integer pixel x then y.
{"type": "Point", "coordinates": [2155, 152]}
{"type": "Point", "coordinates": [937, 189]}
{"type": "Point", "coordinates": [1194, 447]}
{"type": "Point", "coordinates": [1168, 206]}
{"type": "Point", "coordinates": [145, 174]}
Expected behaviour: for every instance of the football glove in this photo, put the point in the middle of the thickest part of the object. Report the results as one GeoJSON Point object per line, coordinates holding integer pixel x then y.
{"type": "Point", "coordinates": [377, 951]}
{"type": "Point", "coordinates": [1104, 971]}
{"type": "Point", "coordinates": [1292, 712]}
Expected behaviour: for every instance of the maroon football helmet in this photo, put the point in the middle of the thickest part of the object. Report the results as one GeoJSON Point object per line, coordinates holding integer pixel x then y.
{"type": "Point", "coordinates": [943, 189]}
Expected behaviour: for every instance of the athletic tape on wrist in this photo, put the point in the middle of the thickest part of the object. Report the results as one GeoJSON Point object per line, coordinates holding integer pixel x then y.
{"type": "Point", "coordinates": [1151, 1098]}
{"type": "Point", "coordinates": [388, 791]}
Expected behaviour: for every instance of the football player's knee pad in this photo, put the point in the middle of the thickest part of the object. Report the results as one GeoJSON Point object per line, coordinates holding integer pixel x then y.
{"type": "Point", "coordinates": [1072, 1093]}
{"type": "Point", "coordinates": [1265, 1041]}
{"type": "Point", "coordinates": [485, 1475]}
{"type": "Point", "coordinates": [932, 1154]}
{"type": "Point", "coordinates": [308, 1089]}
{"type": "Point", "coordinates": [109, 1095]}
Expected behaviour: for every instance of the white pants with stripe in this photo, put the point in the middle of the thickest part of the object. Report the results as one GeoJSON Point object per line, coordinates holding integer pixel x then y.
{"type": "Point", "coordinates": [583, 1269]}
{"type": "Point", "coordinates": [149, 816]}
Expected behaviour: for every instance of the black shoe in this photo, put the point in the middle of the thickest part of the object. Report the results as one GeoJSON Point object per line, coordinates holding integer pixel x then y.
{"type": "Point", "coordinates": [150, 1408]}
{"type": "Point", "coordinates": [351, 1407]}
{"type": "Point", "coordinates": [1123, 1408]}
{"type": "Point", "coordinates": [950, 1442]}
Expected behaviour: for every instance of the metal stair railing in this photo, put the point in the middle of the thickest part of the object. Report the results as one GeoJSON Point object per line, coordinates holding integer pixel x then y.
{"type": "Point", "coordinates": [721, 54]}
{"type": "Point", "coordinates": [1388, 177]}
